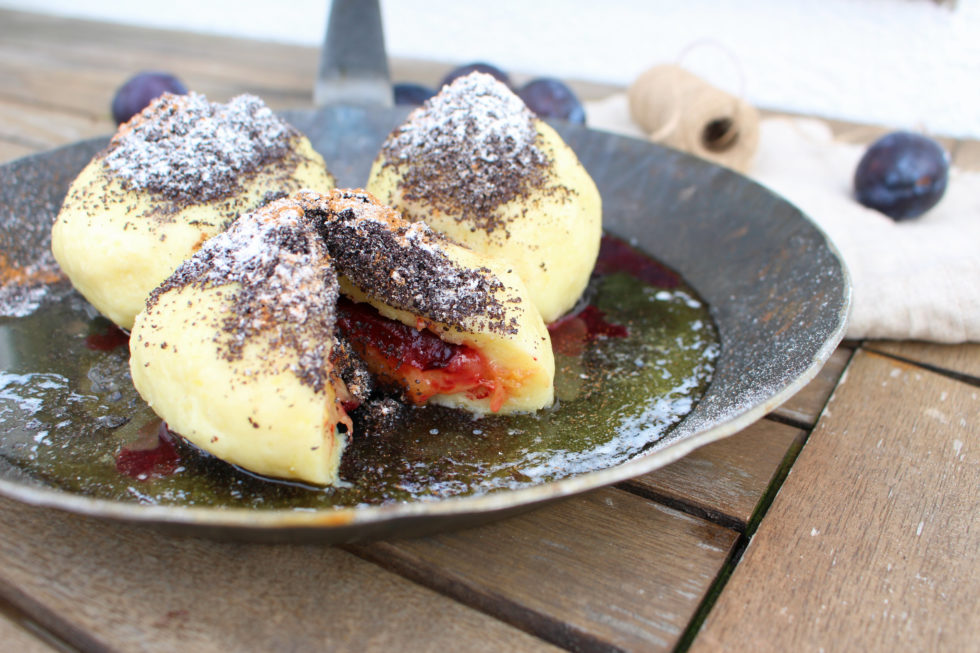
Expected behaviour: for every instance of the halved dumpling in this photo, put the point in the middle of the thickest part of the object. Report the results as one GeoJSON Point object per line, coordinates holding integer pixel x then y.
{"type": "Point", "coordinates": [234, 349]}
{"type": "Point", "coordinates": [447, 325]}
{"type": "Point", "coordinates": [175, 175]}
{"type": "Point", "coordinates": [476, 165]}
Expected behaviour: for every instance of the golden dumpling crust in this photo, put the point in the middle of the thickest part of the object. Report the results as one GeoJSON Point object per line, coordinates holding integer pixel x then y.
{"type": "Point", "coordinates": [476, 165]}
{"type": "Point", "coordinates": [175, 175]}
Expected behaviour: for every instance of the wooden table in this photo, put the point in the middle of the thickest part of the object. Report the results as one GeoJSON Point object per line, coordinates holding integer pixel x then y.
{"type": "Point", "coordinates": [848, 519]}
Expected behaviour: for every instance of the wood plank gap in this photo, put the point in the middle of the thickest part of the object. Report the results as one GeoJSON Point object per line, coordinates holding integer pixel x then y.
{"type": "Point", "coordinates": [14, 139]}
{"type": "Point", "coordinates": [622, 569]}
{"type": "Point", "coordinates": [871, 542]}
{"type": "Point", "coordinates": [805, 406]}
{"type": "Point", "coordinates": [25, 622]}
{"type": "Point", "coordinates": [58, 632]}
{"type": "Point", "coordinates": [33, 101]}
{"type": "Point", "coordinates": [718, 517]}
{"type": "Point", "coordinates": [789, 421]}
{"type": "Point", "coordinates": [791, 455]}
{"type": "Point", "coordinates": [777, 482]}
{"type": "Point", "coordinates": [743, 541]}
{"type": "Point", "coordinates": [704, 608]}
{"type": "Point", "coordinates": [950, 374]}
{"type": "Point", "coordinates": [741, 544]}
{"type": "Point", "coordinates": [702, 512]}
{"type": "Point", "coordinates": [489, 603]}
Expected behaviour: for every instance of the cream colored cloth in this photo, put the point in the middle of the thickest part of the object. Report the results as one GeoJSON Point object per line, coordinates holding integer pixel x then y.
{"type": "Point", "coordinates": [918, 279]}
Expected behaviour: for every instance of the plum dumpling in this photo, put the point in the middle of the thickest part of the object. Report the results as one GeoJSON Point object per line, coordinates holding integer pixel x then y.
{"type": "Point", "coordinates": [256, 347]}
{"type": "Point", "coordinates": [173, 176]}
{"type": "Point", "coordinates": [476, 165]}
{"type": "Point", "coordinates": [235, 349]}
{"type": "Point", "coordinates": [438, 321]}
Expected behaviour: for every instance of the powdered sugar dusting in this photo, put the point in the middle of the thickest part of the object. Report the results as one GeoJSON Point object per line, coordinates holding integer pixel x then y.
{"type": "Point", "coordinates": [24, 287]}
{"type": "Point", "coordinates": [476, 111]}
{"type": "Point", "coordinates": [406, 265]}
{"type": "Point", "coordinates": [184, 147]}
{"type": "Point", "coordinates": [468, 150]}
{"type": "Point", "coordinates": [287, 289]}
{"type": "Point", "coordinates": [20, 300]}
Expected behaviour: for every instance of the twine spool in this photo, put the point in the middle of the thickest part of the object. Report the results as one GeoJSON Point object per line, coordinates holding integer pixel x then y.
{"type": "Point", "coordinates": [679, 109]}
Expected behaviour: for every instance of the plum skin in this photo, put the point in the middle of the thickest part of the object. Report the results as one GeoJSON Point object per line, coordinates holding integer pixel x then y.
{"type": "Point", "coordinates": [141, 89]}
{"type": "Point", "coordinates": [552, 98]}
{"type": "Point", "coordinates": [902, 175]}
{"type": "Point", "coordinates": [411, 94]}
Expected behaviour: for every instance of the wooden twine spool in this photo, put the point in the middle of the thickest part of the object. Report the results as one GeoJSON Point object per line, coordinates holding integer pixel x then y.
{"type": "Point", "coordinates": [681, 110]}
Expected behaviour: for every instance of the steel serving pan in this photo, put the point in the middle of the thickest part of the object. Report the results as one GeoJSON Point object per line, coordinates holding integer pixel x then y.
{"type": "Point", "coordinates": [778, 293]}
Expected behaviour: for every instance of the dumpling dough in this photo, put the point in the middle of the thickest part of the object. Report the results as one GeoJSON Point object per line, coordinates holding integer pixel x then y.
{"type": "Point", "coordinates": [234, 349]}
{"type": "Point", "coordinates": [476, 165]}
{"type": "Point", "coordinates": [414, 276]}
{"type": "Point", "coordinates": [172, 177]}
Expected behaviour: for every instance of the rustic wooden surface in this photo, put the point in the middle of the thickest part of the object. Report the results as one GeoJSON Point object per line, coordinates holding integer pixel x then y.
{"type": "Point", "coordinates": [804, 407]}
{"type": "Point", "coordinates": [964, 359]}
{"type": "Point", "coordinates": [874, 534]}
{"type": "Point", "coordinates": [569, 573]}
{"type": "Point", "coordinates": [103, 586]}
{"type": "Point", "coordinates": [636, 567]}
{"type": "Point", "coordinates": [724, 481]}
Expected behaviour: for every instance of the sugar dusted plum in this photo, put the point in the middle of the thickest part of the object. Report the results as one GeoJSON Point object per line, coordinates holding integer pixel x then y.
{"type": "Point", "coordinates": [902, 175]}
{"type": "Point", "coordinates": [141, 89]}
{"type": "Point", "coordinates": [551, 98]}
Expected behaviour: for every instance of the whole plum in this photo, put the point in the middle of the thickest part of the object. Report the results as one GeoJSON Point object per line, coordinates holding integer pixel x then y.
{"type": "Point", "coordinates": [902, 175]}
{"type": "Point", "coordinates": [551, 98]}
{"type": "Point", "coordinates": [411, 94]}
{"type": "Point", "coordinates": [476, 67]}
{"type": "Point", "coordinates": [141, 89]}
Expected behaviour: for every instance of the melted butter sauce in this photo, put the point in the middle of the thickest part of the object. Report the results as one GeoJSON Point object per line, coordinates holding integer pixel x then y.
{"type": "Point", "coordinates": [631, 362]}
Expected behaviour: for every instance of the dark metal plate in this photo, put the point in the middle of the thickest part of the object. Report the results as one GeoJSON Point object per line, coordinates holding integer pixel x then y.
{"type": "Point", "coordinates": [778, 293]}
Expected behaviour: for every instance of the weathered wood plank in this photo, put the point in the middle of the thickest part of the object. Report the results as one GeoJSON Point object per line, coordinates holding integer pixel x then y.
{"type": "Point", "coordinates": [42, 128]}
{"type": "Point", "coordinates": [804, 407]}
{"type": "Point", "coordinates": [106, 586]}
{"type": "Point", "coordinates": [873, 541]}
{"type": "Point", "coordinates": [117, 47]}
{"type": "Point", "coordinates": [297, 62]}
{"type": "Point", "coordinates": [82, 74]}
{"type": "Point", "coordinates": [88, 92]}
{"type": "Point", "coordinates": [962, 359]}
{"type": "Point", "coordinates": [220, 67]}
{"type": "Point", "coordinates": [723, 481]}
{"type": "Point", "coordinates": [15, 638]}
{"type": "Point", "coordinates": [609, 569]}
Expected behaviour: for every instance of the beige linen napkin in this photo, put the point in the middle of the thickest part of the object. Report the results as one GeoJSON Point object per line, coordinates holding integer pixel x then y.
{"type": "Point", "coordinates": [917, 279]}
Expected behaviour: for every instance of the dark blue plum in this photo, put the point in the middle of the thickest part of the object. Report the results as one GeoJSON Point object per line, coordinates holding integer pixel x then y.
{"type": "Point", "coordinates": [141, 89]}
{"type": "Point", "coordinates": [551, 98]}
{"type": "Point", "coordinates": [902, 174]}
{"type": "Point", "coordinates": [476, 67]}
{"type": "Point", "coordinates": [412, 94]}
